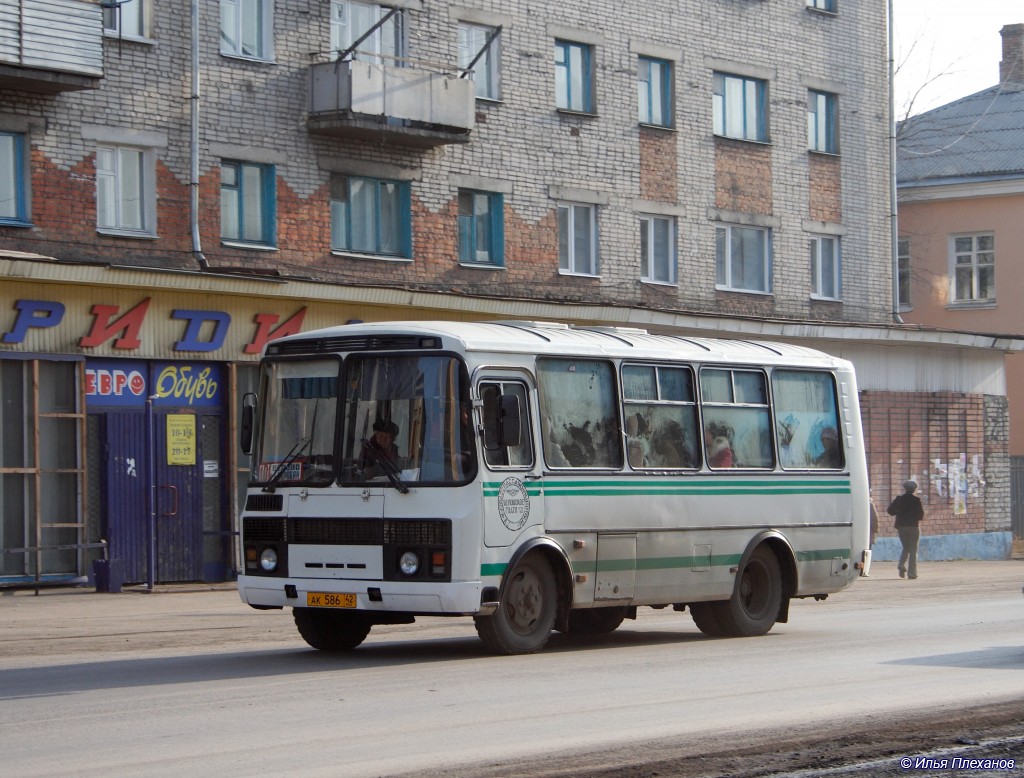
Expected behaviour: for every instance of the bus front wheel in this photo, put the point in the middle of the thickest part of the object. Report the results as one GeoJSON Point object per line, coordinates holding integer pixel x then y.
{"type": "Point", "coordinates": [526, 611]}
{"type": "Point", "coordinates": [327, 630]}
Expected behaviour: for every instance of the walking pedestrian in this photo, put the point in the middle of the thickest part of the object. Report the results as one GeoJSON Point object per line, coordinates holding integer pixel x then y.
{"type": "Point", "coordinates": [909, 511]}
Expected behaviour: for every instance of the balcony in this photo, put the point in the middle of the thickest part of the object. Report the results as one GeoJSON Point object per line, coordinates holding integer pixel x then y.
{"type": "Point", "coordinates": [402, 105]}
{"type": "Point", "coordinates": [51, 46]}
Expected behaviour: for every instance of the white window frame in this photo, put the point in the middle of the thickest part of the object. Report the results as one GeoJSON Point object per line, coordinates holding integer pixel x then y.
{"type": "Point", "coordinates": [656, 269]}
{"type": "Point", "coordinates": [385, 46]}
{"type": "Point", "coordinates": [726, 236]}
{"type": "Point", "coordinates": [486, 73]}
{"type": "Point", "coordinates": [129, 19]}
{"type": "Point", "coordinates": [234, 14]}
{"type": "Point", "coordinates": [903, 273]}
{"type": "Point", "coordinates": [824, 280]}
{"type": "Point", "coordinates": [125, 198]}
{"type": "Point", "coordinates": [978, 261]}
{"type": "Point", "coordinates": [740, 107]}
{"type": "Point", "coordinates": [572, 261]}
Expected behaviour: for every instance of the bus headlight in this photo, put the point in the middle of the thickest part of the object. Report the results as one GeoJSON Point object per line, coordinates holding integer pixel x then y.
{"type": "Point", "coordinates": [409, 563]}
{"type": "Point", "coordinates": [268, 560]}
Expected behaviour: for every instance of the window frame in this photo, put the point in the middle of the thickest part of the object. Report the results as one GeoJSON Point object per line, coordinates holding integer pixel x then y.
{"type": "Point", "coordinates": [645, 441]}
{"type": "Point", "coordinates": [822, 122]}
{"type": "Point", "coordinates": [824, 6]}
{"type": "Point", "coordinates": [375, 48]}
{"type": "Point", "coordinates": [117, 175]}
{"type": "Point", "coordinates": [267, 204]}
{"type": "Point", "coordinates": [265, 44]}
{"type": "Point", "coordinates": [469, 228]}
{"type": "Point", "coordinates": [113, 20]}
{"type": "Point", "coordinates": [716, 412]}
{"type": "Point", "coordinates": [816, 246]}
{"type": "Point", "coordinates": [723, 263]}
{"type": "Point", "coordinates": [903, 272]}
{"type": "Point", "coordinates": [565, 75]}
{"type": "Point", "coordinates": [568, 261]}
{"type": "Point", "coordinates": [402, 217]}
{"type": "Point", "coordinates": [648, 261]}
{"type": "Point", "coordinates": [19, 180]}
{"type": "Point", "coordinates": [976, 268]}
{"type": "Point", "coordinates": [486, 76]}
{"type": "Point", "coordinates": [651, 98]}
{"type": "Point", "coordinates": [754, 128]}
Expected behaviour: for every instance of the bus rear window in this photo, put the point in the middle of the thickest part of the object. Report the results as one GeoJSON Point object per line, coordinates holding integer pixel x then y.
{"type": "Point", "coordinates": [806, 419]}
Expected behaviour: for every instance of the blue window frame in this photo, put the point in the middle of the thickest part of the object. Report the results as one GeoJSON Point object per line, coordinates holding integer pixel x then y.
{"type": "Point", "coordinates": [822, 127]}
{"type": "Point", "coordinates": [13, 187]}
{"type": "Point", "coordinates": [743, 258]}
{"type": "Point", "coordinates": [573, 83]}
{"type": "Point", "coordinates": [822, 5]}
{"type": "Point", "coordinates": [739, 107]}
{"type": "Point", "coordinates": [248, 203]}
{"type": "Point", "coordinates": [481, 228]}
{"type": "Point", "coordinates": [371, 216]}
{"type": "Point", "coordinates": [654, 87]}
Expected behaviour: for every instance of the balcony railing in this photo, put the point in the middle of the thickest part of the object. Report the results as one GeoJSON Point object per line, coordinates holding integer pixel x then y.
{"type": "Point", "coordinates": [405, 105]}
{"type": "Point", "coordinates": [51, 46]}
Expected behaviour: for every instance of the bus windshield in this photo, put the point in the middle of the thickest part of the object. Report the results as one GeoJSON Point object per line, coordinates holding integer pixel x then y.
{"type": "Point", "coordinates": [301, 403]}
{"type": "Point", "coordinates": [407, 418]}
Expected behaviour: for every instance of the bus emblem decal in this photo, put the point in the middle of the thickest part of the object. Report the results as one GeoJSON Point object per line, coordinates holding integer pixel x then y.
{"type": "Point", "coordinates": [513, 503]}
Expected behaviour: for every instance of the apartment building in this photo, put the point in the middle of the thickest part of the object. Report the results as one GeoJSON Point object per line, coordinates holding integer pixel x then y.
{"type": "Point", "coordinates": [180, 183]}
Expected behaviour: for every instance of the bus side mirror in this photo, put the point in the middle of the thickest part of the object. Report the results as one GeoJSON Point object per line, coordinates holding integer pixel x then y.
{"type": "Point", "coordinates": [245, 429]}
{"type": "Point", "coordinates": [503, 421]}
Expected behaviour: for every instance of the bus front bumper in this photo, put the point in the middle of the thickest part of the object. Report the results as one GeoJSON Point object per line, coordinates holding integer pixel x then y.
{"type": "Point", "coordinates": [456, 598]}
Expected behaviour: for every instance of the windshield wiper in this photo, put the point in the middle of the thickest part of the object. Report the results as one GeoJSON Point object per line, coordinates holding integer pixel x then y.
{"type": "Point", "coordinates": [297, 450]}
{"type": "Point", "coordinates": [390, 468]}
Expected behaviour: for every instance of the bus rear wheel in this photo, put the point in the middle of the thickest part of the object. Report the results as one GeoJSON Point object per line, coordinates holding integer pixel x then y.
{"type": "Point", "coordinates": [755, 602]}
{"type": "Point", "coordinates": [595, 621]}
{"type": "Point", "coordinates": [327, 630]}
{"type": "Point", "coordinates": [526, 611]}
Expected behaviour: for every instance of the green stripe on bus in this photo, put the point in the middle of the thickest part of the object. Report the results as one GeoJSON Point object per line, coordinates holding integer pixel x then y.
{"type": "Point", "coordinates": [674, 563]}
{"type": "Point", "coordinates": [677, 487]}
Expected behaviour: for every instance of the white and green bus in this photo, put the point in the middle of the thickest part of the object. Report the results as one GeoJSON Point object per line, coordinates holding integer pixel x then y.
{"type": "Point", "coordinates": [540, 477]}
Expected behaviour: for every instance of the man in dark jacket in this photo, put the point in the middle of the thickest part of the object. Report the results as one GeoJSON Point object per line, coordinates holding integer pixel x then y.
{"type": "Point", "coordinates": [908, 511]}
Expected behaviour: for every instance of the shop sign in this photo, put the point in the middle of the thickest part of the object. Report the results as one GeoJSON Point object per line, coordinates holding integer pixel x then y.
{"type": "Point", "coordinates": [128, 383]}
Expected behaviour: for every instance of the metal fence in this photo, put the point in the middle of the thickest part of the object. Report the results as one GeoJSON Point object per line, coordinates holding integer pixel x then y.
{"type": "Point", "coordinates": [1017, 496]}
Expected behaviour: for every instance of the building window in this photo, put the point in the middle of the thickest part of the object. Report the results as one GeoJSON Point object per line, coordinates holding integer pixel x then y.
{"type": "Point", "coordinates": [371, 216]}
{"type": "Point", "coordinates": [473, 42]}
{"type": "Point", "coordinates": [247, 203]}
{"type": "Point", "coordinates": [657, 249]}
{"type": "Point", "coordinates": [350, 21]}
{"type": "Point", "coordinates": [125, 190]}
{"type": "Point", "coordinates": [974, 270]}
{"type": "Point", "coordinates": [577, 239]}
{"type": "Point", "coordinates": [573, 83]}
{"type": "Point", "coordinates": [743, 258]}
{"type": "Point", "coordinates": [245, 28]}
{"type": "Point", "coordinates": [822, 128]}
{"type": "Point", "coordinates": [13, 194]}
{"type": "Point", "coordinates": [127, 18]}
{"type": "Point", "coordinates": [739, 107]}
{"type": "Point", "coordinates": [481, 228]}
{"type": "Point", "coordinates": [822, 5]}
{"type": "Point", "coordinates": [654, 86]}
{"type": "Point", "coordinates": [903, 271]}
{"type": "Point", "coordinates": [826, 269]}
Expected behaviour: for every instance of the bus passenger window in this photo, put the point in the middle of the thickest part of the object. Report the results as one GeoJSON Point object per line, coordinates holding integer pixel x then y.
{"type": "Point", "coordinates": [579, 400]}
{"type": "Point", "coordinates": [495, 455]}
{"type": "Point", "coordinates": [661, 417]}
{"type": "Point", "coordinates": [737, 425]}
{"type": "Point", "coordinates": [807, 420]}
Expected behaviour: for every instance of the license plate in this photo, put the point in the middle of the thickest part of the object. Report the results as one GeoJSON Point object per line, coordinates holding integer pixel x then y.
{"type": "Point", "coordinates": [330, 600]}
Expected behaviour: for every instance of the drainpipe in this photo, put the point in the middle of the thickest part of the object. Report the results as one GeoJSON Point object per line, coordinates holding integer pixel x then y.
{"type": "Point", "coordinates": [894, 231]}
{"type": "Point", "coordinates": [197, 245]}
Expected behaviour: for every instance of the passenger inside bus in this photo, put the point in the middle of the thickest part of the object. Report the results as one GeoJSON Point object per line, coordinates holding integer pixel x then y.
{"type": "Point", "coordinates": [718, 443]}
{"type": "Point", "coordinates": [380, 449]}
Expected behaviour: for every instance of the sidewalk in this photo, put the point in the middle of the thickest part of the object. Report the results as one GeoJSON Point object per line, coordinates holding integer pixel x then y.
{"type": "Point", "coordinates": [76, 621]}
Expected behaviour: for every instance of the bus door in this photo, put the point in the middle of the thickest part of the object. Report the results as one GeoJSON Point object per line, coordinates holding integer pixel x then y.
{"type": "Point", "coordinates": [511, 469]}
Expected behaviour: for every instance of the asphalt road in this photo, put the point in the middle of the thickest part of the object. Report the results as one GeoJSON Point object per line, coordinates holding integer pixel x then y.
{"type": "Point", "coordinates": [187, 680]}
